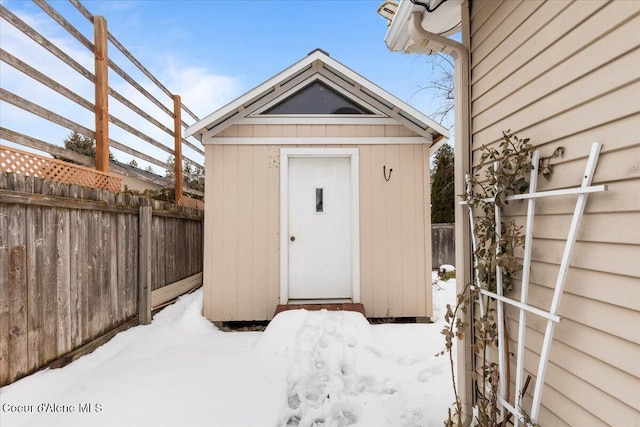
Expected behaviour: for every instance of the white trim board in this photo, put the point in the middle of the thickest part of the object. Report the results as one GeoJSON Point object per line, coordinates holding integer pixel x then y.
{"type": "Point", "coordinates": [352, 154]}
{"type": "Point", "coordinates": [329, 119]}
{"type": "Point", "coordinates": [368, 140]}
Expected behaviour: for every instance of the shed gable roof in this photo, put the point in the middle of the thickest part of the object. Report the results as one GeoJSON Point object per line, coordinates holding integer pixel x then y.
{"type": "Point", "coordinates": [318, 66]}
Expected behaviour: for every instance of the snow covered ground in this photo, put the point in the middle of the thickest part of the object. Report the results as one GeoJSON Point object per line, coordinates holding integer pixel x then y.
{"type": "Point", "coordinates": [307, 369]}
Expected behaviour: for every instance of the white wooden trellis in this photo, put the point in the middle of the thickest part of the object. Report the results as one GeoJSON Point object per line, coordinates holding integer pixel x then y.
{"type": "Point", "coordinates": [551, 315]}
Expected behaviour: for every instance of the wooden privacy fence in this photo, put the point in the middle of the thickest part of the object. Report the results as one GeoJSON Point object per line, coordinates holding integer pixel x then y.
{"type": "Point", "coordinates": [443, 249]}
{"type": "Point", "coordinates": [79, 264]}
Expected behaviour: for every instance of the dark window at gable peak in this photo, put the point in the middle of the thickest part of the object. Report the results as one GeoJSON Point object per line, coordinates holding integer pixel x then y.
{"type": "Point", "coordinates": [317, 98]}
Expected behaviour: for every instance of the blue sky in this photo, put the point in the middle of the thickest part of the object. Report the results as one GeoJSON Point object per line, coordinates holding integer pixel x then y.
{"type": "Point", "coordinates": [207, 51]}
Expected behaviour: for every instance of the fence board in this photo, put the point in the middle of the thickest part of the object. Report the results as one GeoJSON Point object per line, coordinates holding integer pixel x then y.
{"type": "Point", "coordinates": [103, 273]}
{"type": "Point", "coordinates": [69, 266]}
{"type": "Point", "coordinates": [76, 274]}
{"type": "Point", "coordinates": [94, 298]}
{"type": "Point", "coordinates": [113, 269]}
{"type": "Point", "coordinates": [35, 332]}
{"type": "Point", "coordinates": [4, 293]}
{"type": "Point", "coordinates": [42, 41]}
{"type": "Point", "coordinates": [42, 78]}
{"type": "Point", "coordinates": [158, 262]}
{"type": "Point", "coordinates": [145, 257]}
{"type": "Point", "coordinates": [64, 23]}
{"type": "Point", "coordinates": [162, 255]}
{"type": "Point", "coordinates": [85, 272]}
{"type": "Point", "coordinates": [170, 269]}
{"type": "Point", "coordinates": [154, 249]}
{"type": "Point", "coordinates": [442, 245]}
{"type": "Point", "coordinates": [18, 335]}
{"type": "Point", "coordinates": [63, 280]}
{"type": "Point", "coordinates": [121, 265]}
{"type": "Point", "coordinates": [181, 267]}
{"type": "Point", "coordinates": [16, 283]}
{"type": "Point", "coordinates": [132, 267]}
{"type": "Point", "coordinates": [33, 108]}
{"type": "Point", "coordinates": [50, 346]}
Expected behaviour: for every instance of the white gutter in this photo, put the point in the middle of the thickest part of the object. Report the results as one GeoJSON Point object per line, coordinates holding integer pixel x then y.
{"type": "Point", "coordinates": [430, 43]}
{"type": "Point", "coordinates": [408, 22]}
{"type": "Point", "coordinates": [397, 36]}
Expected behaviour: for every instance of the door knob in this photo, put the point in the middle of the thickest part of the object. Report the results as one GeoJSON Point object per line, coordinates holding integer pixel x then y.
{"type": "Point", "coordinates": [292, 238]}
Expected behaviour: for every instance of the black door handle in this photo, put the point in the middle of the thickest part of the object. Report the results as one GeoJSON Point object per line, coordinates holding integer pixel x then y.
{"type": "Point", "coordinates": [292, 238]}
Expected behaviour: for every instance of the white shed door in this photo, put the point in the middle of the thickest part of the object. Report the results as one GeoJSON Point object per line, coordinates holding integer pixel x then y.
{"type": "Point", "coordinates": [319, 228]}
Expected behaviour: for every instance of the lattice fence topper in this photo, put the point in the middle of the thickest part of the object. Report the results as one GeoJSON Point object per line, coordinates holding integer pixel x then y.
{"type": "Point", "coordinates": [29, 164]}
{"type": "Point", "coordinates": [551, 315]}
{"type": "Point", "coordinates": [189, 202]}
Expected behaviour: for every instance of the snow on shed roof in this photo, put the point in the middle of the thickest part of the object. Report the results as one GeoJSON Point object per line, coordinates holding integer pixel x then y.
{"type": "Point", "coordinates": [318, 64]}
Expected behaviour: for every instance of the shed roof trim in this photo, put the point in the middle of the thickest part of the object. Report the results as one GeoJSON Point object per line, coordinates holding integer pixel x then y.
{"type": "Point", "coordinates": [328, 64]}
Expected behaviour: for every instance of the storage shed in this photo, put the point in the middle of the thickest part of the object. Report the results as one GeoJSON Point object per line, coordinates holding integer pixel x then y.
{"type": "Point", "coordinates": [317, 191]}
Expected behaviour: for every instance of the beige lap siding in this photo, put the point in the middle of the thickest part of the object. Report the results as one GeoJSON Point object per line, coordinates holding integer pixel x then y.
{"type": "Point", "coordinates": [566, 74]}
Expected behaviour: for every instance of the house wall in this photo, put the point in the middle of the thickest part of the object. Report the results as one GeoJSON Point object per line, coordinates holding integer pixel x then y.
{"type": "Point", "coordinates": [566, 74]}
{"type": "Point", "coordinates": [242, 225]}
{"type": "Point", "coordinates": [138, 184]}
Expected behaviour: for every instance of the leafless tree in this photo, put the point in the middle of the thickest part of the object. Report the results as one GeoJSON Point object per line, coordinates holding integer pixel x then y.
{"type": "Point", "coordinates": [442, 86]}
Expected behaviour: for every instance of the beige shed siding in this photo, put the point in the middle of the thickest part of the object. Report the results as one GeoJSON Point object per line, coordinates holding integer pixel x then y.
{"type": "Point", "coordinates": [316, 131]}
{"type": "Point", "coordinates": [566, 74]}
{"type": "Point", "coordinates": [394, 276]}
{"type": "Point", "coordinates": [242, 262]}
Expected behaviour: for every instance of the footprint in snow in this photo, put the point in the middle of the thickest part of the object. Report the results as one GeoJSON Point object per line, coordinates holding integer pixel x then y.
{"type": "Point", "coordinates": [322, 374]}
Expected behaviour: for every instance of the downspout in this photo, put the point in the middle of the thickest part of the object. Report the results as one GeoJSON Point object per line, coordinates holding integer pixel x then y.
{"type": "Point", "coordinates": [430, 43]}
